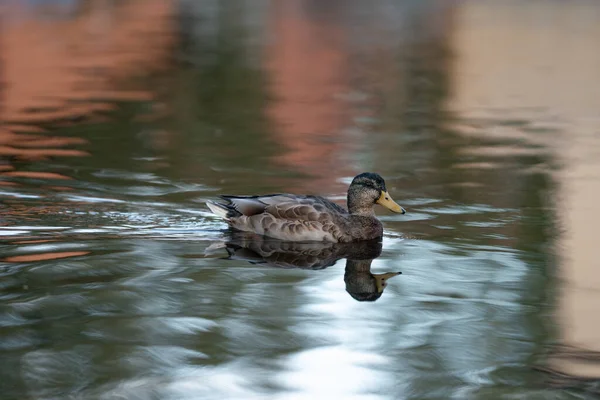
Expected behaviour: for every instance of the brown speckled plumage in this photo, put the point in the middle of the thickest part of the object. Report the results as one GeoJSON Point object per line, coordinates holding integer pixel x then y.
{"type": "Point", "coordinates": [311, 218]}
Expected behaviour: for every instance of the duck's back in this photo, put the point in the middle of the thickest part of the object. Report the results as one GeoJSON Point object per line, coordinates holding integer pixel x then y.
{"type": "Point", "coordinates": [286, 216]}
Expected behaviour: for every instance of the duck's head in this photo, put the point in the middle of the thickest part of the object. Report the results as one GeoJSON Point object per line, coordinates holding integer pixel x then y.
{"type": "Point", "coordinates": [362, 284]}
{"type": "Point", "coordinates": [366, 190]}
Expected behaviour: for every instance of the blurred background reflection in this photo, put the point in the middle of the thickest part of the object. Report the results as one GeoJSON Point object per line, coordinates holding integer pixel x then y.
{"type": "Point", "coordinates": [118, 119]}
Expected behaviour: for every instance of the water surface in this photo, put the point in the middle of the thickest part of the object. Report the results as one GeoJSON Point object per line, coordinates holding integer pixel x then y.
{"type": "Point", "coordinates": [116, 282]}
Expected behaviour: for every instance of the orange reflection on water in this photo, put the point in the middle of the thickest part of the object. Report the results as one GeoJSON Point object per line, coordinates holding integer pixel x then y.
{"type": "Point", "coordinates": [306, 65]}
{"type": "Point", "coordinates": [71, 67]}
{"type": "Point", "coordinates": [45, 256]}
{"type": "Point", "coordinates": [36, 174]}
{"type": "Point", "coordinates": [33, 241]}
{"type": "Point", "coordinates": [58, 67]}
{"type": "Point", "coordinates": [551, 81]}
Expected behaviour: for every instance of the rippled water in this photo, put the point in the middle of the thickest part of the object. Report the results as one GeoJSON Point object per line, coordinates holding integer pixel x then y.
{"type": "Point", "coordinates": [116, 281]}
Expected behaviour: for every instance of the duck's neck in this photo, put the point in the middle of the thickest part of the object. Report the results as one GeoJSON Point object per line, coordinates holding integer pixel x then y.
{"type": "Point", "coordinates": [358, 265]}
{"type": "Point", "coordinates": [357, 206]}
{"type": "Point", "coordinates": [361, 211]}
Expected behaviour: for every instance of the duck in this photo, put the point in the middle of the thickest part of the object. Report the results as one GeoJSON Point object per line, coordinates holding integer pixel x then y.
{"type": "Point", "coordinates": [308, 218]}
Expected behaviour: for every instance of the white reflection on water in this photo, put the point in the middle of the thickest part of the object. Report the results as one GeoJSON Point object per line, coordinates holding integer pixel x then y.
{"type": "Point", "coordinates": [336, 372]}
{"type": "Point", "coordinates": [464, 317]}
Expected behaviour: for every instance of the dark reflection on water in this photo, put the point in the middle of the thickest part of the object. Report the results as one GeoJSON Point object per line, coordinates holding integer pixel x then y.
{"type": "Point", "coordinates": [119, 119]}
{"type": "Point", "coordinates": [361, 283]}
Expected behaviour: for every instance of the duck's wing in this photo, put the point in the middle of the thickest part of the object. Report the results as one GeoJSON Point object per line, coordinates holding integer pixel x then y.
{"type": "Point", "coordinates": [239, 206]}
{"type": "Point", "coordinates": [285, 206]}
{"type": "Point", "coordinates": [252, 205]}
{"type": "Point", "coordinates": [308, 208]}
{"type": "Point", "coordinates": [286, 217]}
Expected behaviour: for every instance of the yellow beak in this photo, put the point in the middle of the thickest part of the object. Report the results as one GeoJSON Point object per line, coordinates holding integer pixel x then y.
{"type": "Point", "coordinates": [386, 200]}
{"type": "Point", "coordinates": [381, 279]}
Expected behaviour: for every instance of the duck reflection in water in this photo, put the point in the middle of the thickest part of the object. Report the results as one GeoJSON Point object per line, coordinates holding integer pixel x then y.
{"type": "Point", "coordinates": [361, 283]}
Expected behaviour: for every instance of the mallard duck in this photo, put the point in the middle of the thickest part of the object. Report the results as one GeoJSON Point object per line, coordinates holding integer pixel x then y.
{"type": "Point", "coordinates": [311, 218]}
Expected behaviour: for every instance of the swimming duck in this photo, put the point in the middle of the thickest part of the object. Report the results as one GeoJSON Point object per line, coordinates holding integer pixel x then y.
{"type": "Point", "coordinates": [311, 218]}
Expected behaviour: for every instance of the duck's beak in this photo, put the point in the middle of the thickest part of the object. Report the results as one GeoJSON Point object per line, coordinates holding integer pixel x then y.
{"type": "Point", "coordinates": [381, 279]}
{"type": "Point", "coordinates": [386, 200]}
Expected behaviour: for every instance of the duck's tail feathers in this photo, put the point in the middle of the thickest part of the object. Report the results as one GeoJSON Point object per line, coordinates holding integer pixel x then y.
{"type": "Point", "coordinates": [222, 210]}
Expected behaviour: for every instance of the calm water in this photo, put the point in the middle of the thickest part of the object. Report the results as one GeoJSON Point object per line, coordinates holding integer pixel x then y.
{"type": "Point", "coordinates": [116, 281]}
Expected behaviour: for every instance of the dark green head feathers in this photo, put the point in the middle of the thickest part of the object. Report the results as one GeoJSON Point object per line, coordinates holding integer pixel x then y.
{"type": "Point", "coordinates": [370, 180]}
